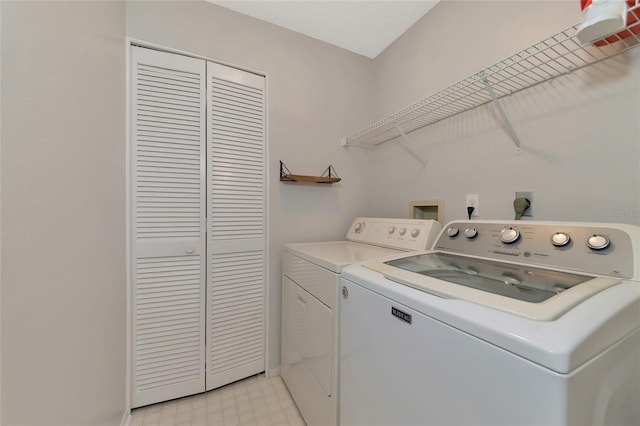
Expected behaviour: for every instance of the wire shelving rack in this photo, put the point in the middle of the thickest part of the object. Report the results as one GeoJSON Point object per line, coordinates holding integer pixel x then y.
{"type": "Point", "coordinates": [558, 55]}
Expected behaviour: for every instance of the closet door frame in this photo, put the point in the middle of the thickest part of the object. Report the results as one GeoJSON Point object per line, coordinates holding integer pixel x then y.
{"type": "Point", "coordinates": [129, 43]}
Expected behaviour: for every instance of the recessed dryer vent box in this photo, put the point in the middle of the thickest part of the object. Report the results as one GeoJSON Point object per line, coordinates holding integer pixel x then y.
{"type": "Point", "coordinates": [427, 209]}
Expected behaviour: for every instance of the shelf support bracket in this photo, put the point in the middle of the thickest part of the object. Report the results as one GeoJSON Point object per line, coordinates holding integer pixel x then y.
{"type": "Point", "coordinates": [501, 111]}
{"type": "Point", "coordinates": [409, 145]}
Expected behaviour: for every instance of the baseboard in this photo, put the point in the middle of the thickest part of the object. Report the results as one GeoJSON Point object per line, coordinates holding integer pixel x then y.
{"type": "Point", "coordinates": [273, 372]}
{"type": "Point", "coordinates": [126, 419]}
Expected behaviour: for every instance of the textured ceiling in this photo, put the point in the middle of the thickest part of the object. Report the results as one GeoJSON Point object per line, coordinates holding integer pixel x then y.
{"type": "Point", "coordinates": [362, 26]}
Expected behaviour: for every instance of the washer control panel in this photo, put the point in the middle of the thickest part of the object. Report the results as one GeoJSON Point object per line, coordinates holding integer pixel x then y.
{"type": "Point", "coordinates": [405, 234]}
{"type": "Point", "coordinates": [600, 249]}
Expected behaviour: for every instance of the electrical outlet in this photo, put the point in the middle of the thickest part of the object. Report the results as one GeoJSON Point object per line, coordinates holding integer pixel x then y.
{"type": "Point", "coordinates": [529, 196]}
{"type": "Point", "coordinates": [473, 200]}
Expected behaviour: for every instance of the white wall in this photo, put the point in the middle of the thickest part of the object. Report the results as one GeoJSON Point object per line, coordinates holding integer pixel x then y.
{"type": "Point", "coordinates": [580, 133]}
{"type": "Point", "coordinates": [63, 223]}
{"type": "Point", "coordinates": [317, 94]}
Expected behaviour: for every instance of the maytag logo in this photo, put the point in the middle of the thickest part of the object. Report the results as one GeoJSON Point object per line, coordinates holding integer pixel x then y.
{"type": "Point", "coordinates": [402, 315]}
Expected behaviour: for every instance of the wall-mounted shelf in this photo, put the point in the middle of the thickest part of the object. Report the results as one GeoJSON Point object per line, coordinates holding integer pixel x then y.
{"type": "Point", "coordinates": [558, 55]}
{"type": "Point", "coordinates": [329, 176]}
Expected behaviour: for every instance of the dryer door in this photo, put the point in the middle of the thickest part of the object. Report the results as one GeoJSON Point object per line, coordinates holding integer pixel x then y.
{"type": "Point", "coordinates": [308, 329]}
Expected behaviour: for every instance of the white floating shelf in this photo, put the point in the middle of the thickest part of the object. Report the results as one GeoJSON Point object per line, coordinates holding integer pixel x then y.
{"type": "Point", "coordinates": [558, 55]}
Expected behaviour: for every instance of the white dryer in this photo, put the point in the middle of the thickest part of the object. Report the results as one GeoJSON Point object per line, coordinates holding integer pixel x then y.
{"type": "Point", "coordinates": [502, 323]}
{"type": "Point", "coordinates": [311, 271]}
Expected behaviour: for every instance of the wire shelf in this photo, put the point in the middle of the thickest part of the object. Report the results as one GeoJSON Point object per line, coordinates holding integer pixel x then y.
{"type": "Point", "coordinates": [555, 56]}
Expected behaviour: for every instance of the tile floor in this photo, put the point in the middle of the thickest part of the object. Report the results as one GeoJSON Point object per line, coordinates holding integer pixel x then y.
{"type": "Point", "coordinates": [258, 401]}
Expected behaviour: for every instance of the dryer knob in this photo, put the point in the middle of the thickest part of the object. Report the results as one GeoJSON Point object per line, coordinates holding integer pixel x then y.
{"type": "Point", "coordinates": [509, 235]}
{"type": "Point", "coordinates": [560, 239]}
{"type": "Point", "coordinates": [359, 227]}
{"type": "Point", "coordinates": [403, 231]}
{"type": "Point", "coordinates": [392, 229]}
{"type": "Point", "coordinates": [471, 233]}
{"type": "Point", "coordinates": [415, 233]}
{"type": "Point", "coordinates": [598, 242]}
{"type": "Point", "coordinates": [452, 231]}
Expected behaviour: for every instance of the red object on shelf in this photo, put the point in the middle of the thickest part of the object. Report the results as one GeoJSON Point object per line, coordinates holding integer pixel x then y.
{"type": "Point", "coordinates": [631, 20]}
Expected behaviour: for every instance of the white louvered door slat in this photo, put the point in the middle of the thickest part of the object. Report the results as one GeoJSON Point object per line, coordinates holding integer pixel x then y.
{"type": "Point", "coordinates": [236, 231]}
{"type": "Point", "coordinates": [168, 225]}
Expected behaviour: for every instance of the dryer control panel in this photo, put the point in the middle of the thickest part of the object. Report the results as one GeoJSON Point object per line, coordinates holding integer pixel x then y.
{"type": "Point", "coordinates": [404, 234]}
{"type": "Point", "coordinates": [601, 249]}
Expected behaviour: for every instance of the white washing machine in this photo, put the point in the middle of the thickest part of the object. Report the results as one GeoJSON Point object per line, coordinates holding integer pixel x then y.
{"type": "Point", "coordinates": [502, 323]}
{"type": "Point", "coordinates": [311, 271]}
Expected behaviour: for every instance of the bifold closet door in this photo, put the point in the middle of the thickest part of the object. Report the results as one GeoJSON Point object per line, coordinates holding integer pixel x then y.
{"type": "Point", "coordinates": [236, 224]}
{"type": "Point", "coordinates": [168, 191]}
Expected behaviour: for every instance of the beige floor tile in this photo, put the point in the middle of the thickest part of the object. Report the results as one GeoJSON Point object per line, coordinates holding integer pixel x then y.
{"type": "Point", "coordinates": [258, 401]}
{"type": "Point", "coordinates": [183, 417]}
{"type": "Point", "coordinates": [152, 419]}
{"type": "Point", "coordinates": [216, 418]}
{"type": "Point", "coordinates": [278, 417]}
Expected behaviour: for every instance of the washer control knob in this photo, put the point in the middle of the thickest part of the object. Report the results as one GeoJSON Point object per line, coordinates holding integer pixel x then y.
{"type": "Point", "coordinates": [471, 233]}
{"type": "Point", "coordinates": [402, 231]}
{"type": "Point", "coordinates": [415, 232]}
{"type": "Point", "coordinates": [359, 227]}
{"type": "Point", "coordinates": [560, 239]}
{"type": "Point", "coordinates": [598, 242]}
{"type": "Point", "coordinates": [509, 235]}
{"type": "Point", "coordinates": [392, 229]}
{"type": "Point", "coordinates": [452, 231]}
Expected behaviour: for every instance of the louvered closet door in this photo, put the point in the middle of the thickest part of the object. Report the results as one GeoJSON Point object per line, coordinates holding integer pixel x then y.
{"type": "Point", "coordinates": [236, 224]}
{"type": "Point", "coordinates": [168, 225]}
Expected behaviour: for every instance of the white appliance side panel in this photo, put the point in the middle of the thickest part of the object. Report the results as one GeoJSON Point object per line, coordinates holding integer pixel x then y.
{"type": "Point", "coordinates": [606, 391]}
{"type": "Point", "coordinates": [426, 372]}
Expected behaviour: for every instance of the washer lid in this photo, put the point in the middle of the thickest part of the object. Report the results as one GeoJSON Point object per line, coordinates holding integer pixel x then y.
{"type": "Point", "coordinates": [562, 345]}
{"type": "Point", "coordinates": [532, 292]}
{"type": "Point", "coordinates": [335, 255]}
